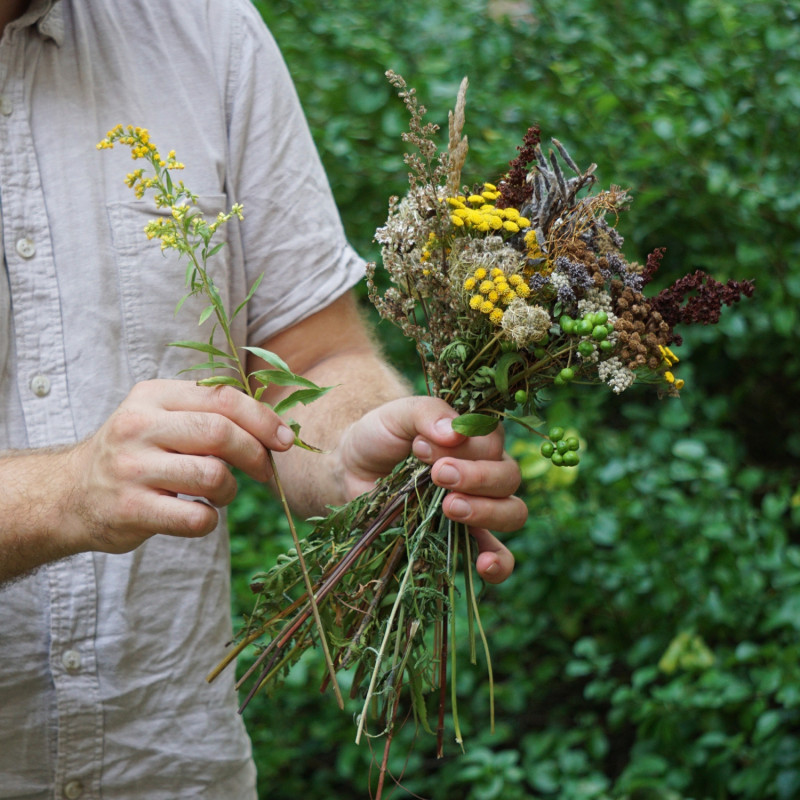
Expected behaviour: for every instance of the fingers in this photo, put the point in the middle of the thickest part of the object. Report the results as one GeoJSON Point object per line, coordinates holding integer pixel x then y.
{"type": "Point", "coordinates": [257, 419]}
{"type": "Point", "coordinates": [495, 561]}
{"type": "Point", "coordinates": [194, 476]}
{"type": "Point", "coordinates": [180, 417]}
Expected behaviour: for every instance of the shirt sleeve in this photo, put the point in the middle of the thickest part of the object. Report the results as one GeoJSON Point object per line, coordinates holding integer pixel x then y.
{"type": "Point", "coordinates": [292, 231]}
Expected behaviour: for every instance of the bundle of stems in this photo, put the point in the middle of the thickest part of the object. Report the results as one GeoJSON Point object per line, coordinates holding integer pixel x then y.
{"type": "Point", "coordinates": [506, 289]}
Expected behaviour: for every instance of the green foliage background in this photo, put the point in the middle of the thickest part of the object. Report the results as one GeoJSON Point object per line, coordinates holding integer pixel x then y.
{"type": "Point", "coordinates": [648, 644]}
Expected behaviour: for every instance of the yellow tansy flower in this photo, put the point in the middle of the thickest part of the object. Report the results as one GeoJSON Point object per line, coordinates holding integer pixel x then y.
{"type": "Point", "coordinates": [523, 290]}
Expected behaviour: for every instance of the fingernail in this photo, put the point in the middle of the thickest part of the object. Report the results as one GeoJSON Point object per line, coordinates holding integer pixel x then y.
{"type": "Point", "coordinates": [448, 476]}
{"type": "Point", "coordinates": [492, 569]}
{"type": "Point", "coordinates": [460, 509]}
{"type": "Point", "coordinates": [285, 435]}
{"type": "Point", "coordinates": [422, 450]}
{"type": "Point", "coordinates": [443, 426]}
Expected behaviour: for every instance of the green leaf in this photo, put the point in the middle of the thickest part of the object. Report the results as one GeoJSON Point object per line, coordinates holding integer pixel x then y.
{"type": "Point", "coordinates": [280, 378]}
{"type": "Point", "coordinates": [207, 365]}
{"type": "Point", "coordinates": [269, 357]}
{"type": "Point", "coordinates": [475, 424]}
{"type": "Point", "coordinates": [215, 249]}
{"type": "Point", "coordinates": [250, 294]}
{"type": "Point", "coordinates": [181, 302]}
{"type": "Point", "coordinates": [304, 396]}
{"type": "Point", "coordinates": [216, 300]}
{"type": "Point", "coordinates": [298, 442]}
{"type": "Point", "coordinates": [221, 380]}
{"type": "Point", "coordinates": [205, 314]}
{"type": "Point", "coordinates": [507, 360]}
{"type": "Point", "coordinates": [203, 347]}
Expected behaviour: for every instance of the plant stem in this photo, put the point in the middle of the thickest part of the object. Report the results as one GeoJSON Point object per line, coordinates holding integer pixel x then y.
{"type": "Point", "coordinates": [222, 319]}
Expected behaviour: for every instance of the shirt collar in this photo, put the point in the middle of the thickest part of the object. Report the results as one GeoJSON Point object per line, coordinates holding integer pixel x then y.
{"type": "Point", "coordinates": [47, 16]}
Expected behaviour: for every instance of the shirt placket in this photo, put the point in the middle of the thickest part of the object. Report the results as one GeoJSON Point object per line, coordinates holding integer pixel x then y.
{"type": "Point", "coordinates": [42, 384]}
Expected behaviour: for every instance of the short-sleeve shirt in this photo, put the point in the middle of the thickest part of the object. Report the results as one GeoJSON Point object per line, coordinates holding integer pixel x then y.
{"type": "Point", "coordinates": [103, 658]}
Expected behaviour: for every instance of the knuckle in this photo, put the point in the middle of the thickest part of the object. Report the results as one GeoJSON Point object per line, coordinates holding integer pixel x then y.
{"type": "Point", "coordinates": [197, 519]}
{"type": "Point", "coordinates": [125, 424]}
{"type": "Point", "coordinates": [214, 474]}
{"type": "Point", "coordinates": [226, 399]}
{"type": "Point", "coordinates": [214, 429]}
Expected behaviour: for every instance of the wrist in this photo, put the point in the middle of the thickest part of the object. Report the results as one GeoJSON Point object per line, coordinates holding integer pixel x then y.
{"type": "Point", "coordinates": [38, 521]}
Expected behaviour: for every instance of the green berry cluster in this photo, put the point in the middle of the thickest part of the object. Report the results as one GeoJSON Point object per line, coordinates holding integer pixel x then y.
{"type": "Point", "coordinates": [594, 326]}
{"type": "Point", "coordinates": [561, 450]}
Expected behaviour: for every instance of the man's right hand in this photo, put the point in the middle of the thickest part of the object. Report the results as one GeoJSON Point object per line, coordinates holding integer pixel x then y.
{"type": "Point", "coordinates": [155, 446]}
{"type": "Point", "coordinates": [121, 485]}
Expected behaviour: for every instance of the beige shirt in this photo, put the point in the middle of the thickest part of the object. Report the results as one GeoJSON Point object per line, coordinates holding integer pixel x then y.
{"type": "Point", "coordinates": [103, 658]}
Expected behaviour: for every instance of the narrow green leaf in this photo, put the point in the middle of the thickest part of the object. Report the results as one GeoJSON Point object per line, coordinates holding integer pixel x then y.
{"type": "Point", "coordinates": [221, 380]}
{"type": "Point", "coordinates": [216, 300]}
{"type": "Point", "coordinates": [181, 302]}
{"type": "Point", "coordinates": [207, 365]}
{"type": "Point", "coordinates": [507, 360]}
{"type": "Point", "coordinates": [269, 357]}
{"type": "Point", "coordinates": [304, 396]}
{"type": "Point", "coordinates": [205, 314]}
{"type": "Point", "coordinates": [475, 424]}
{"type": "Point", "coordinates": [203, 347]}
{"type": "Point", "coordinates": [215, 249]}
{"type": "Point", "coordinates": [298, 442]}
{"type": "Point", "coordinates": [281, 378]}
{"type": "Point", "coordinates": [418, 699]}
{"type": "Point", "coordinates": [250, 294]}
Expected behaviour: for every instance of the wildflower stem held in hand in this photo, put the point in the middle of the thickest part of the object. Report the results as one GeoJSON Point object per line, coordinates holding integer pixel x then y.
{"type": "Point", "coordinates": [187, 231]}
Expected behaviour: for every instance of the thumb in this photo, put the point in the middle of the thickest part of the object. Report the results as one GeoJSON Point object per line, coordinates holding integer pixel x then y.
{"type": "Point", "coordinates": [383, 437]}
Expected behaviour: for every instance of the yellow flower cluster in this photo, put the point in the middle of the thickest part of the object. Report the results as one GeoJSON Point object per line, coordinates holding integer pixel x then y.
{"type": "Point", "coordinates": [478, 212]}
{"type": "Point", "coordinates": [532, 245]}
{"type": "Point", "coordinates": [671, 359]}
{"type": "Point", "coordinates": [493, 290]}
{"type": "Point", "coordinates": [138, 139]}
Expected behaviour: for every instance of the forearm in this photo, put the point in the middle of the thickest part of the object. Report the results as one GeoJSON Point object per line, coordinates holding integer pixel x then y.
{"type": "Point", "coordinates": [35, 510]}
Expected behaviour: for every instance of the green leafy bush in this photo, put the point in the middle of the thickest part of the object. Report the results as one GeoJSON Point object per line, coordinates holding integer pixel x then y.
{"type": "Point", "coordinates": [647, 645]}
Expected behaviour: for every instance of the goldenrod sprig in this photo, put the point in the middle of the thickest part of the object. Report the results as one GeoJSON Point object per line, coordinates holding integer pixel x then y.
{"type": "Point", "coordinates": [186, 230]}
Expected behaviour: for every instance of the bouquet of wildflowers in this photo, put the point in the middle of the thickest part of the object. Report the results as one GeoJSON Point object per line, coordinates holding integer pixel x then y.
{"type": "Point", "coordinates": [506, 288]}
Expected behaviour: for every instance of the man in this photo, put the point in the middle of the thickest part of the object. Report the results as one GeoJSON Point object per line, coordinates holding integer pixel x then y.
{"type": "Point", "coordinates": [115, 582]}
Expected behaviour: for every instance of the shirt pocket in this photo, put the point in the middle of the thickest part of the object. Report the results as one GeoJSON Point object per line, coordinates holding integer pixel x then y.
{"type": "Point", "coordinates": [152, 282]}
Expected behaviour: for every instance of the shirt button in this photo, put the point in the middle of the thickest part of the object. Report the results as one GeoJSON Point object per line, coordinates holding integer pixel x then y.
{"type": "Point", "coordinates": [5, 105]}
{"type": "Point", "coordinates": [40, 385]}
{"type": "Point", "coordinates": [71, 659]}
{"type": "Point", "coordinates": [73, 790]}
{"type": "Point", "coordinates": [26, 248]}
